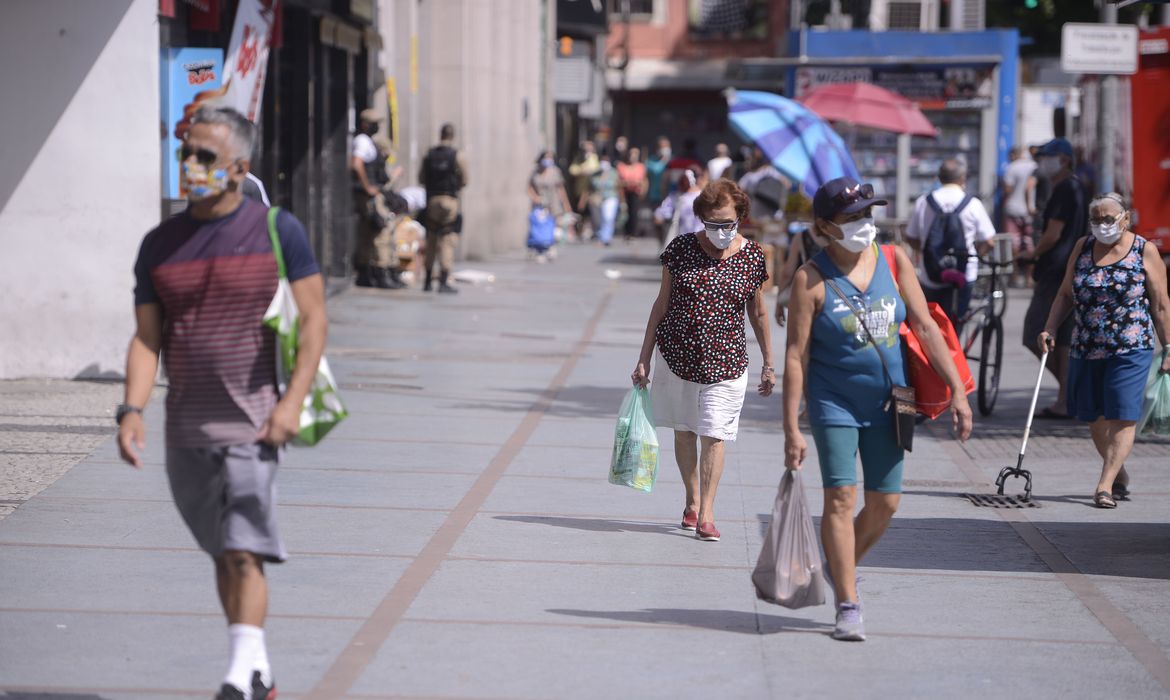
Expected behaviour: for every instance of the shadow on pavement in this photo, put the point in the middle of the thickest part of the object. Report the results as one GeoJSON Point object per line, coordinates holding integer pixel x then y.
{"type": "Point", "coordinates": [571, 401]}
{"type": "Point", "coordinates": [596, 525]}
{"type": "Point", "coordinates": [719, 620]}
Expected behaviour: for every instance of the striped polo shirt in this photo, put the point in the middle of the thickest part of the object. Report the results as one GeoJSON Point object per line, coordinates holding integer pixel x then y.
{"type": "Point", "coordinates": [214, 279]}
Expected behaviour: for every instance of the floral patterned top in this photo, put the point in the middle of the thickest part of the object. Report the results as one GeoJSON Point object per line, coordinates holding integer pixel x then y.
{"type": "Point", "coordinates": [702, 335]}
{"type": "Point", "coordinates": [1112, 309]}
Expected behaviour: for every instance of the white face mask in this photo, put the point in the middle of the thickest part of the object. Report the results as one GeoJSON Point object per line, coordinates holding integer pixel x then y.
{"type": "Point", "coordinates": [858, 235]}
{"type": "Point", "coordinates": [1049, 165]}
{"type": "Point", "coordinates": [1107, 233]}
{"type": "Point", "coordinates": [722, 239]}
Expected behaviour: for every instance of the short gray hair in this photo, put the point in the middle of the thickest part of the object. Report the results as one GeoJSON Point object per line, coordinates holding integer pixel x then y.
{"type": "Point", "coordinates": [1108, 197]}
{"type": "Point", "coordinates": [952, 171]}
{"type": "Point", "coordinates": [243, 132]}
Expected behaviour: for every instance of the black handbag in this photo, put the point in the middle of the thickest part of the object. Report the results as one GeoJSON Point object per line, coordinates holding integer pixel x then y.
{"type": "Point", "coordinates": [901, 401]}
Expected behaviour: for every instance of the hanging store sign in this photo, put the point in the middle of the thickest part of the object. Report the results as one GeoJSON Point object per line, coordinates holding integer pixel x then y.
{"type": "Point", "coordinates": [247, 58]}
{"type": "Point", "coordinates": [1101, 49]}
{"type": "Point", "coordinates": [931, 87]}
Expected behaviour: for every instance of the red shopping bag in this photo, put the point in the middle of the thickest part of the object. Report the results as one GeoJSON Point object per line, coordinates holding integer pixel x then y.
{"type": "Point", "coordinates": [932, 396]}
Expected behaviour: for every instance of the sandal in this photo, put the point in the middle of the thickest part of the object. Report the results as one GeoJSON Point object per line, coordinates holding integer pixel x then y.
{"type": "Point", "coordinates": [1121, 491]}
{"type": "Point", "coordinates": [1104, 499]}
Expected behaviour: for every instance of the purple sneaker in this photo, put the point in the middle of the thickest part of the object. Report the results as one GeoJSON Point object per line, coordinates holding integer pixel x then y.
{"type": "Point", "coordinates": [850, 627]}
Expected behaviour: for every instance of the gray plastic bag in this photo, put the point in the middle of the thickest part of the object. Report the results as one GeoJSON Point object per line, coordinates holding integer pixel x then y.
{"type": "Point", "coordinates": [788, 571]}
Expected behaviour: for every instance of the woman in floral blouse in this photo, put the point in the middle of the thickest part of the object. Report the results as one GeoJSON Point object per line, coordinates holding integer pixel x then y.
{"type": "Point", "coordinates": [1116, 287]}
{"type": "Point", "coordinates": [709, 278]}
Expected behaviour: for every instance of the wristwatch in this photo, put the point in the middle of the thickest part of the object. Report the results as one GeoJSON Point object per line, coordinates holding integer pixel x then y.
{"type": "Point", "coordinates": [123, 409]}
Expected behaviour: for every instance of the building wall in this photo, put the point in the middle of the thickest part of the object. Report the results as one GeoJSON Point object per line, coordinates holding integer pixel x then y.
{"type": "Point", "coordinates": [666, 36]}
{"type": "Point", "coordinates": [483, 66]}
{"type": "Point", "coordinates": [80, 186]}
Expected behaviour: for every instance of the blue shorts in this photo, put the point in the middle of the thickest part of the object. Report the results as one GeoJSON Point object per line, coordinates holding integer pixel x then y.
{"type": "Point", "coordinates": [881, 458]}
{"type": "Point", "coordinates": [1112, 388]}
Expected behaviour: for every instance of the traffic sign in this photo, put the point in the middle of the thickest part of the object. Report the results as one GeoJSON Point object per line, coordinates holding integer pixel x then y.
{"type": "Point", "coordinates": [1099, 48]}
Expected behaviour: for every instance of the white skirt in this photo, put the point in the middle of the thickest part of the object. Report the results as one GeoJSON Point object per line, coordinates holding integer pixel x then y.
{"type": "Point", "coordinates": [706, 409]}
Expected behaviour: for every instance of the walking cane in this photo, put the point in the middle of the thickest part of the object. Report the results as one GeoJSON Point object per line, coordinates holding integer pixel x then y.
{"type": "Point", "coordinates": [1018, 471]}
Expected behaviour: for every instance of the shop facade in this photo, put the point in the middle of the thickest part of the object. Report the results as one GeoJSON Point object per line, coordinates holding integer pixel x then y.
{"type": "Point", "coordinates": [966, 84]}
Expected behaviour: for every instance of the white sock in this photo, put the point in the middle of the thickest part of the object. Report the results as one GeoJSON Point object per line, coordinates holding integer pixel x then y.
{"type": "Point", "coordinates": [260, 663]}
{"type": "Point", "coordinates": [246, 640]}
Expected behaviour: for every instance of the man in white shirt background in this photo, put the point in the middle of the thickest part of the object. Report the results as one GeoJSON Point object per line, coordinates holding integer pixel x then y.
{"type": "Point", "coordinates": [720, 163]}
{"type": "Point", "coordinates": [977, 228]}
{"type": "Point", "coordinates": [1019, 206]}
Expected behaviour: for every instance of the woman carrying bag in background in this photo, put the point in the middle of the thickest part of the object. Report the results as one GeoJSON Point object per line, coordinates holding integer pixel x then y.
{"type": "Point", "coordinates": [844, 316]}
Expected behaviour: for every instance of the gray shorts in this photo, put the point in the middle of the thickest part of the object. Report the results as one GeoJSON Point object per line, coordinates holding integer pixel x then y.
{"type": "Point", "coordinates": [227, 497]}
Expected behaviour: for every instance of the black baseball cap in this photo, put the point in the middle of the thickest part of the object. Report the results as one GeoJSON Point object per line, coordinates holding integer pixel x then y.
{"type": "Point", "coordinates": [843, 195]}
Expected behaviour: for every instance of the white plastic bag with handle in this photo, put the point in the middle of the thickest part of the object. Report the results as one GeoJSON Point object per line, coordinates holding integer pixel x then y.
{"type": "Point", "coordinates": [322, 409]}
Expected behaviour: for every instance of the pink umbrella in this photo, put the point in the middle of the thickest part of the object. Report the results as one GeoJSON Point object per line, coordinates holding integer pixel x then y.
{"type": "Point", "coordinates": [870, 106]}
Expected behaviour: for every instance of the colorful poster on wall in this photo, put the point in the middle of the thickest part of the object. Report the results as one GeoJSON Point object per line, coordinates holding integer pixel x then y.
{"type": "Point", "coordinates": [190, 77]}
{"type": "Point", "coordinates": [247, 57]}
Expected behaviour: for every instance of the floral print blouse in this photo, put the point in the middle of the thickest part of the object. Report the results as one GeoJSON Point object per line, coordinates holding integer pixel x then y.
{"type": "Point", "coordinates": [1111, 307]}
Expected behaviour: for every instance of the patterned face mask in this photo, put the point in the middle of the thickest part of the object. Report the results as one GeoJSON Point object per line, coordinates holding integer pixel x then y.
{"type": "Point", "coordinates": [202, 184]}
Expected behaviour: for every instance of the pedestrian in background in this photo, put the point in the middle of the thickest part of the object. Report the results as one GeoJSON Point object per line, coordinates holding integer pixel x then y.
{"type": "Point", "coordinates": [1019, 207]}
{"type": "Point", "coordinates": [656, 171]}
{"type": "Point", "coordinates": [605, 196]}
{"type": "Point", "coordinates": [1116, 288]}
{"type": "Point", "coordinates": [833, 360]}
{"type": "Point", "coordinates": [1064, 223]}
{"type": "Point", "coordinates": [374, 257]}
{"type": "Point", "coordinates": [546, 190]}
{"type": "Point", "coordinates": [720, 163]}
{"type": "Point", "coordinates": [444, 173]}
{"type": "Point", "coordinates": [709, 279]}
{"type": "Point", "coordinates": [581, 172]}
{"type": "Point", "coordinates": [632, 174]}
{"type": "Point", "coordinates": [204, 280]}
{"type": "Point", "coordinates": [978, 231]}
{"type": "Point", "coordinates": [677, 212]}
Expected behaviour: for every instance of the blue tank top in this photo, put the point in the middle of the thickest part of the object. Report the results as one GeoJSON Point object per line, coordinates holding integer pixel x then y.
{"type": "Point", "coordinates": [846, 384]}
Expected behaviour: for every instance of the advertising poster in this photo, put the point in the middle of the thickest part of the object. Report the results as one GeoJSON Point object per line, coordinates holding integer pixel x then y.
{"type": "Point", "coordinates": [247, 57]}
{"type": "Point", "coordinates": [190, 78]}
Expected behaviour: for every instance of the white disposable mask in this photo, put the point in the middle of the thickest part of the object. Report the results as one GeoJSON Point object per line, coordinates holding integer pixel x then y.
{"type": "Point", "coordinates": [1049, 165]}
{"type": "Point", "coordinates": [858, 235]}
{"type": "Point", "coordinates": [722, 238]}
{"type": "Point", "coordinates": [1106, 233]}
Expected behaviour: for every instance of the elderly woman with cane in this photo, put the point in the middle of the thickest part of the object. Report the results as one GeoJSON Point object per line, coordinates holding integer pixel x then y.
{"type": "Point", "coordinates": [1115, 284]}
{"type": "Point", "coordinates": [709, 279]}
{"type": "Point", "coordinates": [843, 343]}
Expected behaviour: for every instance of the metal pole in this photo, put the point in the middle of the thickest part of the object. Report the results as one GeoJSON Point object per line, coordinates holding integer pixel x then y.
{"type": "Point", "coordinates": [902, 200]}
{"type": "Point", "coordinates": [1107, 117]}
{"type": "Point", "coordinates": [413, 79]}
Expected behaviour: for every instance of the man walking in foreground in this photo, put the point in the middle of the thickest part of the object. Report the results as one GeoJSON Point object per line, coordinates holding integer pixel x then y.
{"type": "Point", "coordinates": [204, 281]}
{"type": "Point", "coordinates": [443, 173]}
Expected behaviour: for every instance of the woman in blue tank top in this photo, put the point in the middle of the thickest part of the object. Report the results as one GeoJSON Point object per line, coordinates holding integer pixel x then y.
{"type": "Point", "coordinates": [833, 360]}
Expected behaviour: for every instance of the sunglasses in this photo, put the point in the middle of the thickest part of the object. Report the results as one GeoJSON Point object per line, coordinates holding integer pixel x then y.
{"type": "Point", "coordinates": [853, 194]}
{"type": "Point", "coordinates": [1104, 220]}
{"type": "Point", "coordinates": [203, 156]}
{"type": "Point", "coordinates": [720, 226]}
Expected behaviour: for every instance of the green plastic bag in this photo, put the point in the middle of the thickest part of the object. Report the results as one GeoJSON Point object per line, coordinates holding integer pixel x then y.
{"type": "Point", "coordinates": [1156, 407]}
{"type": "Point", "coordinates": [323, 409]}
{"type": "Point", "coordinates": [635, 444]}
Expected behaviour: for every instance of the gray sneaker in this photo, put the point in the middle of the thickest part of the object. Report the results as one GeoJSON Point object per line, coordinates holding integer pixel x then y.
{"type": "Point", "coordinates": [850, 627]}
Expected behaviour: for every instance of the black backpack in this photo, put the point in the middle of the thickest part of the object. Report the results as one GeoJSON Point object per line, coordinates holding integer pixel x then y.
{"type": "Point", "coordinates": [945, 247]}
{"type": "Point", "coordinates": [441, 171]}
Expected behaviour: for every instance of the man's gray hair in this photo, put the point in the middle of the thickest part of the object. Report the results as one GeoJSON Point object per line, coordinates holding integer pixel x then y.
{"type": "Point", "coordinates": [243, 132]}
{"type": "Point", "coordinates": [952, 172]}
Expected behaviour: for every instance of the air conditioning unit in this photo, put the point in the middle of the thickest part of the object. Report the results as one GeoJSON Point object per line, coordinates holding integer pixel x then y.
{"type": "Point", "coordinates": [904, 15]}
{"type": "Point", "coordinates": [968, 15]}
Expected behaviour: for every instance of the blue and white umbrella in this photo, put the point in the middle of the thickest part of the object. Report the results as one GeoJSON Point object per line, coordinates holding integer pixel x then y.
{"type": "Point", "coordinates": [799, 143]}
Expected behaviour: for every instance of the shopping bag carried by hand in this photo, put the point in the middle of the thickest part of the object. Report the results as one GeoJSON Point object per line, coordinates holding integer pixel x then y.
{"type": "Point", "coordinates": [788, 571]}
{"type": "Point", "coordinates": [1156, 406]}
{"type": "Point", "coordinates": [323, 408]}
{"type": "Point", "coordinates": [635, 444]}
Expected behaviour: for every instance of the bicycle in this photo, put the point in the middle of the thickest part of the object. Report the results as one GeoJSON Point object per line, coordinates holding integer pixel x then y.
{"type": "Point", "coordinates": [983, 322]}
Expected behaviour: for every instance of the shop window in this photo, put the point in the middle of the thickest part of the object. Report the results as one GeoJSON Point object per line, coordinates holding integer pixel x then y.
{"type": "Point", "coordinates": [640, 10]}
{"type": "Point", "coordinates": [728, 19]}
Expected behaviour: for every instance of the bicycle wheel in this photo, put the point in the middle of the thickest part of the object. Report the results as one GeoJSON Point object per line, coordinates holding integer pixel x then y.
{"type": "Point", "coordinates": [990, 364]}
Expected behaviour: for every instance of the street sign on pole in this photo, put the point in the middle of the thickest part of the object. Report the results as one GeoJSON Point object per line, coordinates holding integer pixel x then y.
{"type": "Point", "coordinates": [1101, 49]}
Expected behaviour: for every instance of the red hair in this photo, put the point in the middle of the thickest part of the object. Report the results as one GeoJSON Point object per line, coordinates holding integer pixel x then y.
{"type": "Point", "coordinates": [720, 192]}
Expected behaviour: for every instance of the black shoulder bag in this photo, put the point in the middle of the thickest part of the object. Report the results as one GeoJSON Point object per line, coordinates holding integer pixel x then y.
{"type": "Point", "coordinates": [901, 397]}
